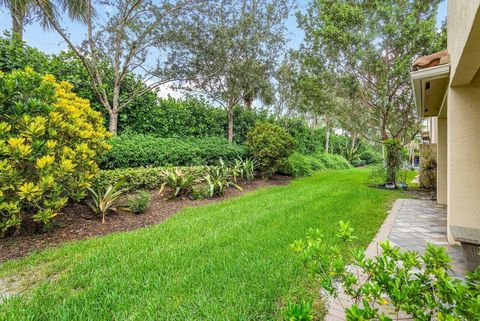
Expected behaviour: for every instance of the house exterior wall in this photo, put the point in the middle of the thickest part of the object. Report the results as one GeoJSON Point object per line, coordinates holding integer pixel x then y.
{"type": "Point", "coordinates": [463, 33]}
{"type": "Point", "coordinates": [442, 161]}
{"type": "Point", "coordinates": [463, 115]}
{"type": "Point", "coordinates": [432, 128]}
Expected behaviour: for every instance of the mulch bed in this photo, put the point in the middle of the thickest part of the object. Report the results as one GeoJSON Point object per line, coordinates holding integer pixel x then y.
{"type": "Point", "coordinates": [73, 222]}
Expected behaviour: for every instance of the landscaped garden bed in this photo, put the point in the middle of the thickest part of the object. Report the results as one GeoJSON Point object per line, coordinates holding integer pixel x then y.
{"type": "Point", "coordinates": [75, 222]}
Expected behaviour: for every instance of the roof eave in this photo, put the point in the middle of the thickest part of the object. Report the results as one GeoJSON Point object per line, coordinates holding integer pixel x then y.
{"type": "Point", "coordinates": [422, 76]}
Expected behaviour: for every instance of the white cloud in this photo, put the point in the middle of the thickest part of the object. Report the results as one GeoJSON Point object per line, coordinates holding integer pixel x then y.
{"type": "Point", "coordinates": [166, 90]}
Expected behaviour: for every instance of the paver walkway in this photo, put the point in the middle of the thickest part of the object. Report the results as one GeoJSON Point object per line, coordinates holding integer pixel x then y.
{"type": "Point", "coordinates": [411, 225]}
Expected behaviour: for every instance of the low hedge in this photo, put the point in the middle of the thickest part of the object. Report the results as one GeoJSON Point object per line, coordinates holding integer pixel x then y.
{"type": "Point", "coordinates": [135, 178]}
{"type": "Point", "coordinates": [134, 150]}
{"type": "Point", "coordinates": [304, 165]}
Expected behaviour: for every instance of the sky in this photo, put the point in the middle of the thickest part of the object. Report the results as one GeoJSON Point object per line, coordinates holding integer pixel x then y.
{"type": "Point", "coordinates": [50, 42]}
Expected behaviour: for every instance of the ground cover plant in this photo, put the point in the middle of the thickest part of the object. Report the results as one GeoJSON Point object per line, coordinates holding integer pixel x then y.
{"type": "Point", "coordinates": [415, 285]}
{"type": "Point", "coordinates": [225, 261]}
{"type": "Point", "coordinates": [138, 203]}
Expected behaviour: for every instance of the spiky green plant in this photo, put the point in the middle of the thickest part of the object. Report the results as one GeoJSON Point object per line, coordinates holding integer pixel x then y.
{"type": "Point", "coordinates": [102, 201]}
{"type": "Point", "coordinates": [218, 179]}
{"type": "Point", "coordinates": [244, 169]}
{"type": "Point", "coordinates": [180, 182]}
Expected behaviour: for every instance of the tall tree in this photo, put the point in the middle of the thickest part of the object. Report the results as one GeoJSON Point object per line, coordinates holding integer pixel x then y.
{"type": "Point", "coordinates": [24, 11]}
{"type": "Point", "coordinates": [372, 44]}
{"type": "Point", "coordinates": [230, 49]}
{"type": "Point", "coordinates": [130, 39]}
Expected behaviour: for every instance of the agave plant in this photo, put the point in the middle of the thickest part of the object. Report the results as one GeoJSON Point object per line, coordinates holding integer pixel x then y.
{"type": "Point", "coordinates": [102, 201]}
{"type": "Point", "coordinates": [180, 183]}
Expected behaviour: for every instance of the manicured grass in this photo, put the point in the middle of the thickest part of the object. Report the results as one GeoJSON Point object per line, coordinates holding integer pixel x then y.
{"type": "Point", "coordinates": [226, 261]}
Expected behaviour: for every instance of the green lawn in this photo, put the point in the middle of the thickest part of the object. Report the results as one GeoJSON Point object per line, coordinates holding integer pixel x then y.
{"type": "Point", "coordinates": [226, 261]}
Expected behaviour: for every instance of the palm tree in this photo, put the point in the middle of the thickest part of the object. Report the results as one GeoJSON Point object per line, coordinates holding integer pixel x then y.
{"type": "Point", "coordinates": [20, 10]}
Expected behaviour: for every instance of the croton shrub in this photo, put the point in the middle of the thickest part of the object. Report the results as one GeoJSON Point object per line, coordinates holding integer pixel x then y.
{"type": "Point", "coordinates": [50, 140]}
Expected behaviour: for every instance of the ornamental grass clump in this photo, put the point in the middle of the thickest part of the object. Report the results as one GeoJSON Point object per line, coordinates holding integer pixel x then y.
{"type": "Point", "coordinates": [50, 141]}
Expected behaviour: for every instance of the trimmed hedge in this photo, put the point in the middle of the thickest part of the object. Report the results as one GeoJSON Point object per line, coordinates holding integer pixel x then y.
{"type": "Point", "coordinates": [134, 150]}
{"type": "Point", "coordinates": [304, 165]}
{"type": "Point", "coordinates": [133, 178]}
{"type": "Point", "coordinates": [137, 178]}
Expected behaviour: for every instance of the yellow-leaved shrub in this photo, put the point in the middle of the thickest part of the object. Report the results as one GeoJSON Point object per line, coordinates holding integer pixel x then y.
{"type": "Point", "coordinates": [50, 141]}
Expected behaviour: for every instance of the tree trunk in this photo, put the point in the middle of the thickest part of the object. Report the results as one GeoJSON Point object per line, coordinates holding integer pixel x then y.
{"type": "Point", "coordinates": [113, 112]}
{"type": "Point", "coordinates": [113, 122]}
{"type": "Point", "coordinates": [327, 139]}
{"type": "Point", "coordinates": [248, 102]}
{"type": "Point", "coordinates": [18, 18]}
{"type": "Point", "coordinates": [230, 124]}
{"type": "Point", "coordinates": [353, 148]}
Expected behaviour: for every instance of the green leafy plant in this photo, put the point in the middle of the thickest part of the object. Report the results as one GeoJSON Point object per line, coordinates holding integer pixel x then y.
{"type": "Point", "coordinates": [403, 172]}
{"type": "Point", "coordinates": [302, 311]}
{"type": "Point", "coordinates": [428, 170]}
{"type": "Point", "coordinates": [393, 160]}
{"type": "Point", "coordinates": [377, 175]}
{"type": "Point", "coordinates": [139, 202]}
{"type": "Point", "coordinates": [200, 192]}
{"type": "Point", "coordinates": [101, 201]}
{"type": "Point", "coordinates": [50, 141]}
{"type": "Point", "coordinates": [244, 169]}
{"type": "Point", "coordinates": [135, 178]}
{"type": "Point", "coordinates": [218, 179]}
{"type": "Point", "coordinates": [270, 146]}
{"type": "Point", "coordinates": [180, 182]}
{"type": "Point", "coordinates": [133, 150]}
{"type": "Point", "coordinates": [299, 165]}
{"type": "Point", "coordinates": [413, 284]}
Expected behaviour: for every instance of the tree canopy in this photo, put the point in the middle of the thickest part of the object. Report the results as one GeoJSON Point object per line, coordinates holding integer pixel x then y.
{"type": "Point", "coordinates": [363, 51]}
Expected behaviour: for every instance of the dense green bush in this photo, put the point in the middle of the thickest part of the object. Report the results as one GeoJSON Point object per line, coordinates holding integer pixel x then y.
{"type": "Point", "coordinates": [369, 155]}
{"type": "Point", "coordinates": [189, 117]}
{"type": "Point", "coordinates": [378, 175]}
{"type": "Point", "coordinates": [133, 178]}
{"type": "Point", "coordinates": [131, 150]}
{"type": "Point", "coordinates": [304, 165]}
{"type": "Point", "coordinates": [50, 140]}
{"type": "Point", "coordinates": [270, 146]}
{"type": "Point", "coordinates": [308, 140]}
{"type": "Point", "coordinates": [358, 162]}
{"type": "Point", "coordinates": [332, 161]}
{"type": "Point", "coordinates": [137, 178]}
{"type": "Point", "coordinates": [393, 160]}
{"type": "Point", "coordinates": [138, 203]}
{"type": "Point", "coordinates": [14, 54]}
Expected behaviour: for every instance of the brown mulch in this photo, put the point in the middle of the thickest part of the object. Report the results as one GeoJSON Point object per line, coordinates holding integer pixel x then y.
{"type": "Point", "coordinates": [75, 222]}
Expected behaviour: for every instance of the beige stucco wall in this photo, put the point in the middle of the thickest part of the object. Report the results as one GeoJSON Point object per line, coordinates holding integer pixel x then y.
{"type": "Point", "coordinates": [463, 39]}
{"type": "Point", "coordinates": [442, 161]}
{"type": "Point", "coordinates": [464, 155]}
{"type": "Point", "coordinates": [463, 115]}
{"type": "Point", "coordinates": [432, 128]}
